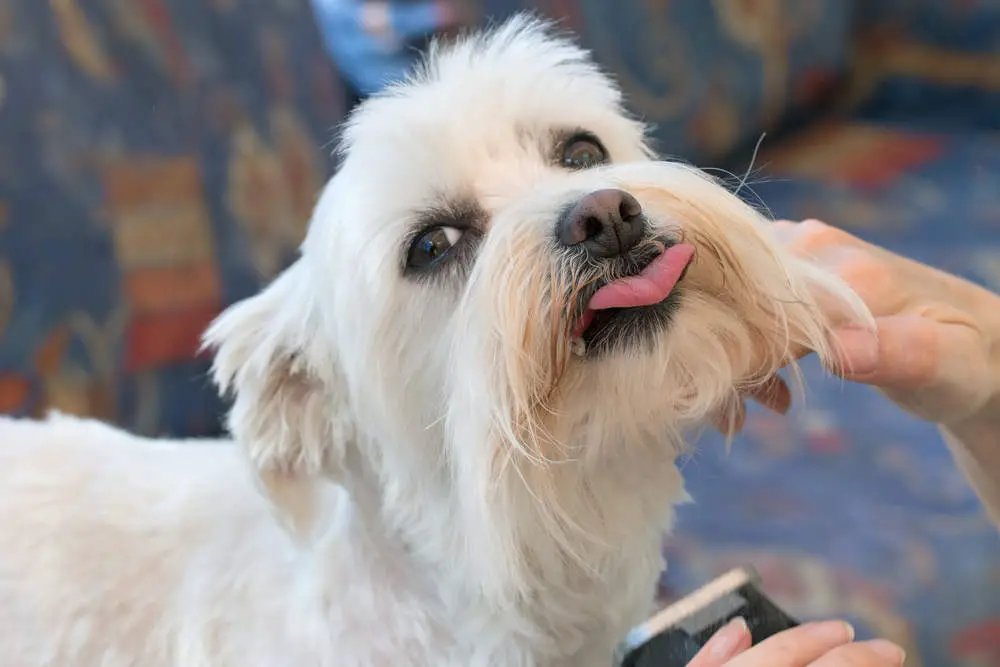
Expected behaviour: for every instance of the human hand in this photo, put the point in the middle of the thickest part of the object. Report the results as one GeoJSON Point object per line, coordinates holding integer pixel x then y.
{"type": "Point", "coordinates": [937, 349]}
{"type": "Point", "coordinates": [826, 644]}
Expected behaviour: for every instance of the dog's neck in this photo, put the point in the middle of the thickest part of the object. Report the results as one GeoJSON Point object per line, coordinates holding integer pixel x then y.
{"type": "Point", "coordinates": [543, 602]}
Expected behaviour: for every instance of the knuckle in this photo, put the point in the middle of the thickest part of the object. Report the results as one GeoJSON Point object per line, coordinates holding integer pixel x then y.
{"type": "Point", "coordinates": [860, 268]}
{"type": "Point", "coordinates": [814, 235]}
{"type": "Point", "coordinates": [814, 223]}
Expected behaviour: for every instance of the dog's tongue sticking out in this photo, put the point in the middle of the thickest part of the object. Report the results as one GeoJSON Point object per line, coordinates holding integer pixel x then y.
{"type": "Point", "coordinates": [651, 286]}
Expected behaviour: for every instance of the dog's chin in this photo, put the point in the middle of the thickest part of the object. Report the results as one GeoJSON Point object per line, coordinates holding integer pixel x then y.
{"type": "Point", "coordinates": [618, 330]}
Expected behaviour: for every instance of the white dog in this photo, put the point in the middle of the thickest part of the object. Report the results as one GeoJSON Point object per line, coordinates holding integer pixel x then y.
{"type": "Point", "coordinates": [456, 415]}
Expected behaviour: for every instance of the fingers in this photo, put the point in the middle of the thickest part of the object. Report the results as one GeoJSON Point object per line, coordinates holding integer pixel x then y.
{"type": "Point", "coordinates": [904, 353]}
{"type": "Point", "coordinates": [809, 236]}
{"type": "Point", "coordinates": [938, 370]}
{"type": "Point", "coordinates": [875, 653]}
{"type": "Point", "coordinates": [856, 352]}
{"type": "Point", "coordinates": [774, 395]}
{"type": "Point", "coordinates": [727, 643]}
{"type": "Point", "coordinates": [827, 644]}
{"type": "Point", "coordinates": [799, 647]}
{"type": "Point", "coordinates": [867, 270]}
{"type": "Point", "coordinates": [910, 351]}
{"type": "Point", "coordinates": [930, 354]}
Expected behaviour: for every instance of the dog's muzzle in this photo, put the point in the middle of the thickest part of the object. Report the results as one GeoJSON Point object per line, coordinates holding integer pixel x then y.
{"type": "Point", "coordinates": [630, 292]}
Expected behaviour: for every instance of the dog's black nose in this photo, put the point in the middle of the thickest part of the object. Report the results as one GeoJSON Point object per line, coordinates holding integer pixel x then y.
{"type": "Point", "coordinates": [606, 222]}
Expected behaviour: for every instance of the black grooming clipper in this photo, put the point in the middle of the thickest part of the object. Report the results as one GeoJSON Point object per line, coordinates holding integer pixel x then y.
{"type": "Point", "coordinates": [672, 637]}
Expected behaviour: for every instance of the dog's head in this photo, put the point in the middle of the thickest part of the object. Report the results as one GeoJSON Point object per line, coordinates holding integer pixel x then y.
{"type": "Point", "coordinates": [507, 312]}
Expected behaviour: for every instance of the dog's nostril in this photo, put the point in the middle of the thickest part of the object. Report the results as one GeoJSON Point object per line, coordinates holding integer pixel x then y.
{"type": "Point", "coordinates": [606, 223]}
{"type": "Point", "coordinates": [592, 227]}
{"type": "Point", "coordinates": [629, 208]}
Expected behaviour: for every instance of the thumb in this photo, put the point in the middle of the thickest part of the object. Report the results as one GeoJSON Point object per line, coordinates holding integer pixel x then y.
{"type": "Point", "coordinates": [936, 369]}
{"type": "Point", "coordinates": [906, 352]}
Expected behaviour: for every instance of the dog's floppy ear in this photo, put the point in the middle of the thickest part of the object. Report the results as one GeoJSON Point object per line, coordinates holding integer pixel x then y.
{"type": "Point", "coordinates": [289, 411]}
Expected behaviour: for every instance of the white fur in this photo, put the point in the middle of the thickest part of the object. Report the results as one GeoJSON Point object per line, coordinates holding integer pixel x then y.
{"type": "Point", "coordinates": [425, 475]}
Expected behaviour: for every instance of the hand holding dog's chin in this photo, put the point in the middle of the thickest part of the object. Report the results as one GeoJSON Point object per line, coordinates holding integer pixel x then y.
{"type": "Point", "coordinates": [937, 349]}
{"type": "Point", "coordinates": [825, 644]}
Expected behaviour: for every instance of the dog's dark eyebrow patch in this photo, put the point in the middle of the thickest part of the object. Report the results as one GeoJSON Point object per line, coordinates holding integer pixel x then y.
{"type": "Point", "coordinates": [460, 213]}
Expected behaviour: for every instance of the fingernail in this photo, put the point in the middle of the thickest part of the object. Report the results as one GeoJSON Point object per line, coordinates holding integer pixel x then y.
{"type": "Point", "coordinates": [888, 650]}
{"type": "Point", "coordinates": [859, 349]}
{"type": "Point", "coordinates": [725, 642]}
{"type": "Point", "coordinates": [833, 631]}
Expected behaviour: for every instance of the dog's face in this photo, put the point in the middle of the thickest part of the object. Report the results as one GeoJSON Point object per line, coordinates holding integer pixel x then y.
{"type": "Point", "coordinates": [505, 306]}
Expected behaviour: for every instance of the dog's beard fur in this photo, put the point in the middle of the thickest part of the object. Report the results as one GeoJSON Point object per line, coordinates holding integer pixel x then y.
{"type": "Point", "coordinates": [450, 403]}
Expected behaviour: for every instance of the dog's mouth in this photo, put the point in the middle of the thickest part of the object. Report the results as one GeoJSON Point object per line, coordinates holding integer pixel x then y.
{"type": "Point", "coordinates": [630, 307]}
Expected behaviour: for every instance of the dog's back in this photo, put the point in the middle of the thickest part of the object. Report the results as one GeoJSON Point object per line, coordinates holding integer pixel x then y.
{"type": "Point", "coordinates": [100, 534]}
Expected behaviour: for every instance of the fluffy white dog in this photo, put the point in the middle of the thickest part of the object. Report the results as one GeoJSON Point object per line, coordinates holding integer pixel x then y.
{"type": "Point", "coordinates": [456, 416]}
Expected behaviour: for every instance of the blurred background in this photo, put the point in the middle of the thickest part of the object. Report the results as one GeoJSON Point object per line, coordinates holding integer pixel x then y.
{"type": "Point", "coordinates": [159, 159]}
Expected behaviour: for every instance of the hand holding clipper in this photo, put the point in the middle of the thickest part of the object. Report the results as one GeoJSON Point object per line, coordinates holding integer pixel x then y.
{"type": "Point", "coordinates": [731, 623]}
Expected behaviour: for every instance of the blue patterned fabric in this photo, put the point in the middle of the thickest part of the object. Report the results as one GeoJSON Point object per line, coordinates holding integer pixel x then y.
{"type": "Point", "coordinates": [158, 160]}
{"type": "Point", "coordinates": [932, 62]}
{"type": "Point", "coordinates": [712, 75]}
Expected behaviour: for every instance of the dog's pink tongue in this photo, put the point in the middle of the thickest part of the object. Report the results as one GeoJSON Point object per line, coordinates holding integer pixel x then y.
{"type": "Point", "coordinates": [651, 286]}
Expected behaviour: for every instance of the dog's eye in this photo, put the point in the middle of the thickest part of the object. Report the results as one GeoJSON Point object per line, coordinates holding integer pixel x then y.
{"type": "Point", "coordinates": [583, 151]}
{"type": "Point", "coordinates": [432, 245]}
